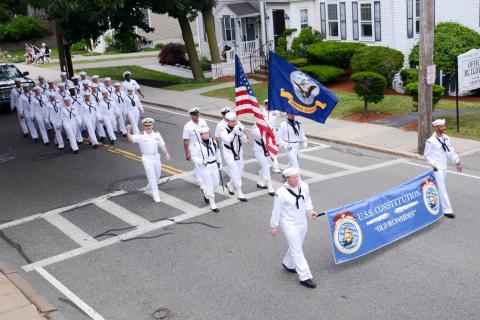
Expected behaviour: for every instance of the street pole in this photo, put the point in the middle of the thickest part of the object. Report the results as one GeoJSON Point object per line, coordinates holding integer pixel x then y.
{"type": "Point", "coordinates": [61, 52]}
{"type": "Point", "coordinates": [425, 94]}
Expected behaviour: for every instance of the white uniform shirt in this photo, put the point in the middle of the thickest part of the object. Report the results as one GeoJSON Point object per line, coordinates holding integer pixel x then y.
{"type": "Point", "coordinates": [110, 89]}
{"type": "Point", "coordinates": [210, 151]}
{"type": "Point", "coordinates": [106, 109]}
{"type": "Point", "coordinates": [62, 95]}
{"type": "Point", "coordinates": [286, 133]}
{"type": "Point", "coordinates": [25, 105]}
{"type": "Point", "coordinates": [126, 84]}
{"type": "Point", "coordinates": [44, 87]}
{"type": "Point", "coordinates": [285, 209]}
{"type": "Point", "coordinates": [100, 85]}
{"type": "Point", "coordinates": [119, 97]}
{"type": "Point", "coordinates": [96, 96]}
{"type": "Point", "coordinates": [133, 101]}
{"type": "Point", "coordinates": [231, 139]}
{"type": "Point", "coordinates": [78, 87]}
{"type": "Point", "coordinates": [259, 144]}
{"type": "Point", "coordinates": [68, 84]}
{"type": "Point", "coordinates": [89, 109]}
{"type": "Point", "coordinates": [218, 129]}
{"type": "Point", "coordinates": [54, 112]}
{"type": "Point", "coordinates": [39, 105]}
{"type": "Point", "coordinates": [436, 155]}
{"type": "Point", "coordinates": [49, 91]}
{"type": "Point", "coordinates": [70, 116]}
{"type": "Point", "coordinates": [76, 101]}
{"type": "Point", "coordinates": [15, 94]}
{"type": "Point", "coordinates": [191, 131]}
{"type": "Point", "coordinates": [148, 143]}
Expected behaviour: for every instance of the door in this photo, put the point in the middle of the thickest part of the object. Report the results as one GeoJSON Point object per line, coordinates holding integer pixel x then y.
{"type": "Point", "coordinates": [278, 24]}
{"type": "Point", "coordinates": [250, 26]}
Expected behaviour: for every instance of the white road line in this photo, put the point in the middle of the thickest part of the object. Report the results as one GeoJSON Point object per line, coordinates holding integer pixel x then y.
{"type": "Point", "coordinates": [304, 172]}
{"type": "Point", "coordinates": [328, 162]}
{"type": "Point", "coordinates": [449, 171]}
{"type": "Point", "coordinates": [71, 230]}
{"type": "Point", "coordinates": [69, 294]}
{"type": "Point", "coordinates": [176, 202]}
{"type": "Point", "coordinates": [60, 210]}
{"type": "Point", "coordinates": [121, 213]}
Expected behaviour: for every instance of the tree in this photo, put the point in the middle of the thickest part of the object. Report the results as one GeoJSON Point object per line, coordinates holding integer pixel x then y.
{"type": "Point", "coordinates": [411, 89]}
{"type": "Point", "coordinates": [382, 60]}
{"type": "Point", "coordinates": [10, 8]}
{"type": "Point", "coordinates": [306, 37]}
{"type": "Point", "coordinates": [370, 86]}
{"type": "Point", "coordinates": [206, 8]}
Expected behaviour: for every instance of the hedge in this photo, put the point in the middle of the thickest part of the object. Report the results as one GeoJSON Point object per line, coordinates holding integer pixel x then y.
{"type": "Point", "coordinates": [299, 62]}
{"type": "Point", "coordinates": [409, 76]}
{"type": "Point", "coordinates": [382, 60]}
{"type": "Point", "coordinates": [333, 53]}
{"type": "Point", "coordinates": [411, 89]}
{"type": "Point", "coordinates": [21, 28]}
{"type": "Point", "coordinates": [306, 37]}
{"type": "Point", "coordinates": [323, 73]}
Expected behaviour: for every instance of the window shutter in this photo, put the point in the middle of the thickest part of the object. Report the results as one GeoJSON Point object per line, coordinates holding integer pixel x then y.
{"type": "Point", "coordinates": [378, 21]}
{"type": "Point", "coordinates": [223, 28]}
{"type": "Point", "coordinates": [409, 18]}
{"type": "Point", "coordinates": [323, 20]}
{"type": "Point", "coordinates": [343, 22]}
{"type": "Point", "coordinates": [355, 20]}
{"type": "Point", "coordinates": [234, 34]}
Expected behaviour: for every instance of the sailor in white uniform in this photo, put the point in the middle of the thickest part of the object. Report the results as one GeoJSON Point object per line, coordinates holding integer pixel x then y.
{"type": "Point", "coordinates": [130, 82]}
{"type": "Point", "coordinates": [233, 136]}
{"type": "Point", "coordinates": [71, 122]}
{"type": "Point", "coordinates": [290, 135]}
{"type": "Point", "coordinates": [50, 88]}
{"type": "Point", "coordinates": [89, 113]}
{"type": "Point", "coordinates": [25, 109]}
{"type": "Point", "coordinates": [119, 98]}
{"type": "Point", "coordinates": [107, 85]}
{"type": "Point", "coordinates": [263, 157]}
{"type": "Point", "coordinates": [83, 76]}
{"type": "Point", "coordinates": [55, 117]}
{"type": "Point", "coordinates": [95, 79]}
{"type": "Point", "coordinates": [43, 85]}
{"type": "Point", "coordinates": [149, 141]}
{"type": "Point", "coordinates": [107, 115]}
{"type": "Point", "coordinates": [220, 125]}
{"type": "Point", "coordinates": [63, 79]}
{"type": "Point", "coordinates": [39, 107]}
{"type": "Point", "coordinates": [438, 149]}
{"type": "Point", "coordinates": [62, 92]}
{"type": "Point", "coordinates": [291, 206]}
{"type": "Point", "coordinates": [271, 117]}
{"type": "Point", "coordinates": [15, 95]}
{"type": "Point", "coordinates": [134, 108]}
{"type": "Point", "coordinates": [209, 163]}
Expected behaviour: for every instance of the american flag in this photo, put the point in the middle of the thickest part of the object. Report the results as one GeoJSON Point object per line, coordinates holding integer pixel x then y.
{"type": "Point", "coordinates": [246, 102]}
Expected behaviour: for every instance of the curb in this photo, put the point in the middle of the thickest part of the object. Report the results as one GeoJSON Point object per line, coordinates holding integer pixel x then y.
{"type": "Point", "coordinates": [45, 308]}
{"type": "Point", "coordinates": [348, 143]}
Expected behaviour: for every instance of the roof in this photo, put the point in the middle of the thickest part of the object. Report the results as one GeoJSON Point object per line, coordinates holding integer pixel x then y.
{"type": "Point", "coordinates": [243, 9]}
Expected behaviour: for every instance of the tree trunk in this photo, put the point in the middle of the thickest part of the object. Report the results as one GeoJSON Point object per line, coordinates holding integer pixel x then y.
{"type": "Point", "coordinates": [365, 108]}
{"type": "Point", "coordinates": [187, 36]}
{"type": "Point", "coordinates": [61, 52]}
{"type": "Point", "coordinates": [68, 60]}
{"type": "Point", "coordinates": [212, 38]}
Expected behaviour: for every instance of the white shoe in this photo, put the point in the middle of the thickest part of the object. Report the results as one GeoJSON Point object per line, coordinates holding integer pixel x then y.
{"type": "Point", "coordinates": [261, 184]}
{"type": "Point", "coordinates": [271, 191]}
{"type": "Point", "coordinates": [230, 187]}
{"type": "Point", "coordinates": [276, 170]}
{"type": "Point", "coordinates": [213, 205]}
{"type": "Point", "coordinates": [241, 196]}
{"type": "Point", "coordinates": [157, 200]}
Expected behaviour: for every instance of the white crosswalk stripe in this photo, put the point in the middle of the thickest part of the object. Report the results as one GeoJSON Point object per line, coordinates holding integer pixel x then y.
{"type": "Point", "coordinates": [121, 213]}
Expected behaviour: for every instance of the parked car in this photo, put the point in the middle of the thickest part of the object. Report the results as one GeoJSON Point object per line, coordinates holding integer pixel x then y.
{"type": "Point", "coordinates": [8, 74]}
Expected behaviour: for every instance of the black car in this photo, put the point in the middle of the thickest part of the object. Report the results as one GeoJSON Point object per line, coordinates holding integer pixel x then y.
{"type": "Point", "coordinates": [8, 74]}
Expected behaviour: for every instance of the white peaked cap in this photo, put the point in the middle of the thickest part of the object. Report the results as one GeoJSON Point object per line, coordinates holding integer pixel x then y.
{"type": "Point", "coordinates": [67, 98]}
{"type": "Point", "coordinates": [52, 94]}
{"type": "Point", "coordinates": [148, 121]}
{"type": "Point", "coordinates": [87, 93]}
{"type": "Point", "coordinates": [117, 84]}
{"type": "Point", "coordinates": [225, 110]}
{"type": "Point", "coordinates": [230, 116]}
{"type": "Point", "coordinates": [126, 72]}
{"type": "Point", "coordinates": [82, 73]}
{"type": "Point", "coordinates": [94, 85]}
{"type": "Point", "coordinates": [96, 76]}
{"type": "Point", "coordinates": [63, 73]}
{"type": "Point", "coordinates": [291, 172]}
{"type": "Point", "coordinates": [107, 79]}
{"type": "Point", "coordinates": [49, 81]}
{"type": "Point", "coordinates": [61, 84]}
{"type": "Point", "coordinates": [194, 110]}
{"type": "Point", "coordinates": [74, 78]}
{"type": "Point", "coordinates": [104, 91]}
{"type": "Point", "coordinates": [204, 129]}
{"type": "Point", "coordinates": [438, 122]}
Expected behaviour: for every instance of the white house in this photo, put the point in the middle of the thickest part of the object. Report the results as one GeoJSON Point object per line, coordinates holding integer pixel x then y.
{"type": "Point", "coordinates": [391, 23]}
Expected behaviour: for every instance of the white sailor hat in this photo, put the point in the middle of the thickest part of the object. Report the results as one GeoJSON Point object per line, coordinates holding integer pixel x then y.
{"type": "Point", "coordinates": [117, 84]}
{"type": "Point", "coordinates": [130, 88]}
{"type": "Point", "coordinates": [95, 76]}
{"type": "Point", "coordinates": [148, 121]}
{"type": "Point", "coordinates": [61, 84]}
{"type": "Point", "coordinates": [194, 110]}
{"type": "Point", "coordinates": [44, 44]}
{"type": "Point", "coordinates": [84, 82]}
{"type": "Point", "coordinates": [41, 77]}
{"type": "Point", "coordinates": [74, 78]}
{"type": "Point", "coordinates": [82, 73]}
{"type": "Point", "coordinates": [107, 79]}
{"type": "Point", "coordinates": [126, 72]}
{"type": "Point", "coordinates": [87, 93]}
{"type": "Point", "coordinates": [52, 94]}
{"type": "Point", "coordinates": [26, 85]}
{"type": "Point", "coordinates": [67, 98]}
{"type": "Point", "coordinates": [93, 85]}
{"type": "Point", "coordinates": [265, 101]}
{"type": "Point", "coordinates": [37, 88]}
{"type": "Point", "coordinates": [230, 116]}
{"type": "Point", "coordinates": [438, 122]}
{"type": "Point", "coordinates": [204, 129]}
{"type": "Point", "coordinates": [49, 81]}
{"type": "Point", "coordinates": [288, 172]}
{"type": "Point", "coordinates": [17, 80]}
{"type": "Point", "coordinates": [225, 110]}
{"type": "Point", "coordinates": [104, 90]}
{"type": "Point", "coordinates": [63, 73]}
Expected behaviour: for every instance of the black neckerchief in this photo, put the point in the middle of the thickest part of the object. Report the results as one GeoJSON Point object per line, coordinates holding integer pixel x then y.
{"type": "Point", "coordinates": [119, 97]}
{"type": "Point", "coordinates": [70, 112]}
{"type": "Point", "coordinates": [235, 154]}
{"type": "Point", "coordinates": [262, 144]}
{"type": "Point", "coordinates": [297, 196]}
{"type": "Point", "coordinates": [444, 144]}
{"type": "Point", "coordinates": [54, 104]}
{"type": "Point", "coordinates": [39, 101]}
{"type": "Point", "coordinates": [77, 86]}
{"type": "Point", "coordinates": [29, 98]}
{"type": "Point", "coordinates": [132, 100]}
{"type": "Point", "coordinates": [63, 95]}
{"type": "Point", "coordinates": [90, 107]}
{"type": "Point", "coordinates": [293, 123]}
{"type": "Point", "coordinates": [19, 91]}
{"type": "Point", "coordinates": [108, 104]}
{"type": "Point", "coordinates": [44, 87]}
{"type": "Point", "coordinates": [110, 89]}
{"type": "Point", "coordinates": [208, 145]}
{"type": "Point", "coordinates": [95, 96]}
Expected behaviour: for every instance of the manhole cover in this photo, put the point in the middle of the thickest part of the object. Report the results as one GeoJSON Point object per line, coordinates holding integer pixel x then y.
{"type": "Point", "coordinates": [161, 313]}
{"type": "Point", "coordinates": [130, 184]}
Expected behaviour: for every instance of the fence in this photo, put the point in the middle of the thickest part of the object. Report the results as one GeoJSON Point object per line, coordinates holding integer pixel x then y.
{"type": "Point", "coordinates": [224, 69]}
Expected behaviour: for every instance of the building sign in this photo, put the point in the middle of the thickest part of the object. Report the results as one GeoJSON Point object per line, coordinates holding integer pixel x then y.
{"type": "Point", "coordinates": [469, 71]}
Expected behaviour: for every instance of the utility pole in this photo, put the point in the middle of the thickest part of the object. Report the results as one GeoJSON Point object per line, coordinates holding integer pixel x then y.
{"type": "Point", "coordinates": [425, 94]}
{"type": "Point", "coordinates": [63, 52]}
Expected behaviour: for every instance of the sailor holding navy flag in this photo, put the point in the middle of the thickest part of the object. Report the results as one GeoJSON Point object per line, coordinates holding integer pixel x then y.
{"type": "Point", "coordinates": [290, 136]}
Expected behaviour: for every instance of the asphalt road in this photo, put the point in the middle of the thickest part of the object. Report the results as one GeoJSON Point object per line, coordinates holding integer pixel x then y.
{"type": "Point", "coordinates": [122, 259]}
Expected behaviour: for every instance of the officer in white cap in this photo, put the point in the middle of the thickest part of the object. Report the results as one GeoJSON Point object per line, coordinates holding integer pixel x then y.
{"type": "Point", "coordinates": [107, 115]}
{"type": "Point", "coordinates": [107, 85]}
{"type": "Point", "coordinates": [71, 122]}
{"type": "Point", "coordinates": [438, 149]}
{"type": "Point", "coordinates": [68, 84]}
{"type": "Point", "coordinates": [62, 93]}
{"type": "Point", "coordinates": [39, 108]}
{"type": "Point", "coordinates": [220, 125]}
{"type": "Point", "coordinates": [15, 95]}
{"type": "Point", "coordinates": [119, 97]}
{"type": "Point", "coordinates": [83, 75]}
{"type": "Point", "coordinates": [271, 117]}
{"type": "Point", "coordinates": [209, 163]}
{"type": "Point", "coordinates": [89, 113]}
{"type": "Point", "coordinates": [290, 135]}
{"type": "Point", "coordinates": [263, 157]}
{"type": "Point", "coordinates": [130, 82]}
{"type": "Point", "coordinates": [233, 136]}
{"type": "Point", "coordinates": [55, 117]}
{"type": "Point", "coordinates": [134, 108]}
{"type": "Point", "coordinates": [149, 141]}
{"type": "Point", "coordinates": [291, 205]}
{"type": "Point", "coordinates": [25, 109]}
{"type": "Point", "coordinates": [191, 139]}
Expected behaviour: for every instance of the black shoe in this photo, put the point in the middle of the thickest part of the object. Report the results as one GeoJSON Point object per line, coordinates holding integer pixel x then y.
{"type": "Point", "coordinates": [206, 199]}
{"type": "Point", "coordinates": [215, 210]}
{"type": "Point", "coordinates": [47, 143]}
{"type": "Point", "coordinates": [75, 152]}
{"type": "Point", "coordinates": [101, 139]}
{"type": "Point", "coordinates": [112, 142]}
{"type": "Point", "coordinates": [95, 146]}
{"type": "Point", "coordinates": [288, 269]}
{"type": "Point", "coordinates": [243, 199]}
{"type": "Point", "coordinates": [25, 135]}
{"type": "Point", "coordinates": [124, 135]}
{"type": "Point", "coordinates": [261, 187]}
{"type": "Point", "coordinates": [272, 194]}
{"type": "Point", "coordinates": [61, 148]}
{"type": "Point", "coordinates": [450, 215]}
{"type": "Point", "coordinates": [308, 283]}
{"type": "Point", "coordinates": [35, 140]}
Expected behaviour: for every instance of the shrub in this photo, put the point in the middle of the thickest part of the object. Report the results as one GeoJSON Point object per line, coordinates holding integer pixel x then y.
{"type": "Point", "coordinates": [172, 54]}
{"type": "Point", "coordinates": [205, 64]}
{"type": "Point", "coordinates": [411, 89]}
{"type": "Point", "coordinates": [288, 31]}
{"type": "Point", "coordinates": [298, 62]}
{"type": "Point", "coordinates": [306, 37]}
{"type": "Point", "coordinates": [382, 60]}
{"type": "Point", "coordinates": [333, 53]}
{"type": "Point", "coordinates": [123, 42]}
{"type": "Point", "coordinates": [281, 47]}
{"type": "Point", "coordinates": [79, 46]}
{"type": "Point", "coordinates": [159, 46]}
{"type": "Point", "coordinates": [409, 76]}
{"type": "Point", "coordinates": [450, 40]}
{"type": "Point", "coordinates": [21, 28]}
{"type": "Point", "coordinates": [370, 86]}
{"type": "Point", "coordinates": [322, 73]}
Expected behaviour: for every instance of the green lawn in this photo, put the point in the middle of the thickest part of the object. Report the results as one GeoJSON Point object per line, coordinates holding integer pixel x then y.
{"type": "Point", "coordinates": [469, 126]}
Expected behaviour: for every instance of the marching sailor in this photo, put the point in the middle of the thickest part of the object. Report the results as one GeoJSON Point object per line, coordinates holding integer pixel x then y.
{"type": "Point", "coordinates": [438, 149]}
{"type": "Point", "coordinates": [39, 108]}
{"type": "Point", "coordinates": [89, 114]}
{"type": "Point", "coordinates": [15, 95]}
{"type": "Point", "coordinates": [107, 115]}
{"type": "Point", "coordinates": [50, 88]}
{"type": "Point", "coordinates": [54, 111]}
{"type": "Point", "coordinates": [263, 157]}
{"type": "Point", "coordinates": [233, 135]}
{"type": "Point", "coordinates": [134, 108]}
{"type": "Point", "coordinates": [220, 125]}
{"type": "Point", "coordinates": [130, 82]}
{"type": "Point", "coordinates": [61, 92]}
{"type": "Point", "coordinates": [271, 117]}
{"type": "Point", "coordinates": [209, 163]}
{"type": "Point", "coordinates": [71, 122]}
{"type": "Point", "coordinates": [191, 139]}
{"type": "Point", "coordinates": [107, 84]}
{"type": "Point", "coordinates": [42, 84]}
{"type": "Point", "coordinates": [119, 98]}
{"type": "Point", "coordinates": [26, 110]}
{"type": "Point", "coordinates": [83, 75]}
{"type": "Point", "coordinates": [76, 84]}
{"type": "Point", "coordinates": [290, 134]}
{"type": "Point", "coordinates": [291, 205]}
{"type": "Point", "coordinates": [95, 79]}
{"type": "Point", "coordinates": [149, 142]}
{"type": "Point", "coordinates": [68, 84]}
{"type": "Point", "coordinates": [86, 87]}
{"type": "Point", "coordinates": [77, 106]}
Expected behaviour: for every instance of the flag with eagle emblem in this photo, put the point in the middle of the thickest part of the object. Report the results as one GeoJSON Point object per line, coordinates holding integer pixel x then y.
{"type": "Point", "coordinates": [291, 90]}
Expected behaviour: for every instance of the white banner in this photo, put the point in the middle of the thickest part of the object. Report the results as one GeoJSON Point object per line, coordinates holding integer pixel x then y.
{"type": "Point", "coordinates": [469, 71]}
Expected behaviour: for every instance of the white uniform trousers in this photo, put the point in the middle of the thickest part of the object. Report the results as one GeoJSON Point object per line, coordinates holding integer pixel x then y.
{"type": "Point", "coordinates": [134, 116]}
{"type": "Point", "coordinates": [121, 123]}
{"type": "Point", "coordinates": [265, 164]}
{"type": "Point", "coordinates": [58, 135]}
{"type": "Point", "coordinates": [110, 123]}
{"type": "Point", "coordinates": [23, 123]}
{"type": "Point", "coordinates": [234, 168]}
{"type": "Point", "coordinates": [71, 129]}
{"type": "Point", "coordinates": [211, 179]}
{"type": "Point", "coordinates": [441, 176]}
{"type": "Point", "coordinates": [39, 119]}
{"type": "Point", "coordinates": [31, 127]}
{"type": "Point", "coordinates": [100, 130]}
{"type": "Point", "coordinates": [152, 165]}
{"type": "Point", "coordinates": [196, 170]}
{"type": "Point", "coordinates": [293, 155]}
{"type": "Point", "coordinates": [294, 258]}
{"type": "Point", "coordinates": [90, 123]}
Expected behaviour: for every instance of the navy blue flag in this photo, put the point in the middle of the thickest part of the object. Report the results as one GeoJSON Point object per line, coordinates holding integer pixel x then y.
{"type": "Point", "coordinates": [364, 226]}
{"type": "Point", "coordinates": [291, 90]}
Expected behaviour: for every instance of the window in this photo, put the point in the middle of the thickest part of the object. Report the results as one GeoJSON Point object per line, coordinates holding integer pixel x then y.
{"type": "Point", "coordinates": [417, 17]}
{"type": "Point", "coordinates": [146, 17]}
{"type": "Point", "coordinates": [332, 10]}
{"type": "Point", "coordinates": [366, 26]}
{"type": "Point", "coordinates": [303, 18]}
{"type": "Point", "coordinates": [228, 28]}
